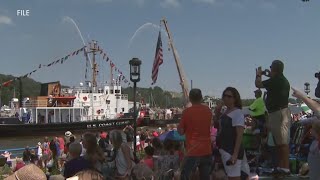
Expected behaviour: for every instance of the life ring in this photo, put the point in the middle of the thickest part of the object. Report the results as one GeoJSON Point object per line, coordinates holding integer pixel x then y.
{"type": "Point", "coordinates": [98, 112]}
{"type": "Point", "coordinates": [85, 98]}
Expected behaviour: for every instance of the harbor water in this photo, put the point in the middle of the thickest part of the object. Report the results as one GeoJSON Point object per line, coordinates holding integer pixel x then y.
{"type": "Point", "coordinates": [16, 145]}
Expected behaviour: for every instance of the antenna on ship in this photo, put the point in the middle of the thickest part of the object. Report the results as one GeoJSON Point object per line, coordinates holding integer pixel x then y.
{"type": "Point", "coordinates": [111, 74]}
{"type": "Point", "coordinates": [94, 48]}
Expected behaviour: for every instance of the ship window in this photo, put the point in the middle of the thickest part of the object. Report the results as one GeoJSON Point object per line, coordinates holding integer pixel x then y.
{"type": "Point", "coordinates": [111, 91]}
{"type": "Point", "coordinates": [115, 109]}
{"type": "Point", "coordinates": [117, 97]}
{"type": "Point", "coordinates": [106, 91]}
{"type": "Point", "coordinates": [107, 101]}
{"type": "Point", "coordinates": [94, 98]}
{"type": "Point", "coordinates": [122, 109]}
{"type": "Point", "coordinates": [117, 91]}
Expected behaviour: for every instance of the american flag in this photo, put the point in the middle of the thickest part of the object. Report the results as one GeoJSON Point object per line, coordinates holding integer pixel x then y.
{"type": "Point", "coordinates": [158, 60]}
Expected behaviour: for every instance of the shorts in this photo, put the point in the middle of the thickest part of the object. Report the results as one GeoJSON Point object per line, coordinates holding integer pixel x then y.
{"type": "Point", "coordinates": [234, 170]}
{"type": "Point", "coordinates": [279, 124]}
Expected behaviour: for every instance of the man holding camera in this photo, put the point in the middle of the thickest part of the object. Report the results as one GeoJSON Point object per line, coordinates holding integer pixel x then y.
{"type": "Point", "coordinates": [279, 117]}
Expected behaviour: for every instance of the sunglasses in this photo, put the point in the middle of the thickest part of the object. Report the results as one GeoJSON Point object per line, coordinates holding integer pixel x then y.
{"type": "Point", "coordinates": [227, 95]}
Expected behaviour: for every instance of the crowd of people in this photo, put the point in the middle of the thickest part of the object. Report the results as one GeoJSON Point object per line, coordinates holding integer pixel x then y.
{"type": "Point", "coordinates": [205, 144]}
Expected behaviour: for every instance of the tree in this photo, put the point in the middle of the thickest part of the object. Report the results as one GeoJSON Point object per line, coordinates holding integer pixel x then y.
{"type": "Point", "coordinates": [292, 101]}
{"type": "Point", "coordinates": [247, 102]}
{"type": "Point", "coordinates": [30, 88]}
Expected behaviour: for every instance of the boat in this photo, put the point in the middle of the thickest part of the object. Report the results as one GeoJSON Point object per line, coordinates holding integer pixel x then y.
{"type": "Point", "coordinates": [75, 109]}
{"type": "Point", "coordinates": [89, 107]}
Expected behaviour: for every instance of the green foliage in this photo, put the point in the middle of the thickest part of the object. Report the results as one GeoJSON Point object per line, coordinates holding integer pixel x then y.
{"type": "Point", "coordinates": [155, 96]}
{"type": "Point", "coordinates": [5, 171]}
{"type": "Point", "coordinates": [247, 102]}
{"type": "Point", "coordinates": [292, 100]}
{"type": "Point", "coordinates": [30, 88]}
{"type": "Point", "coordinates": [299, 101]}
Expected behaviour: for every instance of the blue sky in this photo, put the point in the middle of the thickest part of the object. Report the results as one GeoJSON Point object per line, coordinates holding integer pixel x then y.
{"type": "Point", "coordinates": [220, 42]}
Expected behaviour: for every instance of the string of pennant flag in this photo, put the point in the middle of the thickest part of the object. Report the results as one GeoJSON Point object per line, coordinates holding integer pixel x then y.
{"type": "Point", "coordinates": [112, 64]}
{"type": "Point", "coordinates": [64, 59]}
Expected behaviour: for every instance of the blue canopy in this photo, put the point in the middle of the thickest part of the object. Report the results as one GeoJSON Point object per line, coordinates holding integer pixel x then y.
{"type": "Point", "coordinates": [172, 135]}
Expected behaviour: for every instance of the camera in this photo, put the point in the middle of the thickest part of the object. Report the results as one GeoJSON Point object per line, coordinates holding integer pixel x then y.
{"type": "Point", "coordinates": [317, 75]}
{"type": "Point", "coordinates": [266, 72]}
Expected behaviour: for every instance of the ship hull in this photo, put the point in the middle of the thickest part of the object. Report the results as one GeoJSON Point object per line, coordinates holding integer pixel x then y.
{"type": "Point", "coordinates": [14, 129]}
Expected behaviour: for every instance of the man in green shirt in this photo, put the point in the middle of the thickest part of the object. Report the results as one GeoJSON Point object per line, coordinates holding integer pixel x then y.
{"type": "Point", "coordinates": [257, 110]}
{"type": "Point", "coordinates": [279, 116]}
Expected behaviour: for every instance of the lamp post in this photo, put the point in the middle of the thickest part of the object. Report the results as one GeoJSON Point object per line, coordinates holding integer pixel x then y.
{"type": "Point", "coordinates": [307, 88]}
{"type": "Point", "coordinates": [135, 77]}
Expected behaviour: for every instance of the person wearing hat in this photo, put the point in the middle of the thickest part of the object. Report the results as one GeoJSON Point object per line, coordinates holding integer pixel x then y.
{"type": "Point", "coordinates": [67, 136]}
{"type": "Point", "coordinates": [257, 110]}
{"type": "Point", "coordinates": [279, 116]}
{"type": "Point", "coordinates": [7, 155]}
{"type": "Point", "coordinates": [103, 141]}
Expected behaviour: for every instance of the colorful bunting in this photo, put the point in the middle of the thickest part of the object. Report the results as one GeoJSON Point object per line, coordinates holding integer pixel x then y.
{"type": "Point", "coordinates": [106, 58]}
{"type": "Point", "coordinates": [62, 60]}
{"type": "Point", "coordinates": [7, 83]}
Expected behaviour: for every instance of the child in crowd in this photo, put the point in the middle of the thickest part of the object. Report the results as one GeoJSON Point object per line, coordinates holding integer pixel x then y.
{"type": "Point", "coordinates": [7, 155]}
{"type": "Point", "coordinates": [19, 164]}
{"type": "Point", "coordinates": [33, 157]}
{"type": "Point", "coordinates": [148, 159]}
{"type": "Point", "coordinates": [77, 163]}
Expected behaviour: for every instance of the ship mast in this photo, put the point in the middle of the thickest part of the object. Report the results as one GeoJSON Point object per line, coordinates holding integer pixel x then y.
{"type": "Point", "coordinates": [183, 82]}
{"type": "Point", "coordinates": [93, 49]}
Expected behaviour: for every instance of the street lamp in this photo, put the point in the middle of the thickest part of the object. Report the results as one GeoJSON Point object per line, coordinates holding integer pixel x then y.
{"type": "Point", "coordinates": [135, 77]}
{"type": "Point", "coordinates": [307, 88]}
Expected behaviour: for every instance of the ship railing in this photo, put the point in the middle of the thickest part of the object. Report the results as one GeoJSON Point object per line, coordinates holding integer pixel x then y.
{"type": "Point", "coordinates": [88, 89]}
{"type": "Point", "coordinates": [43, 103]}
{"type": "Point", "coordinates": [36, 103]}
{"type": "Point", "coordinates": [88, 103]}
